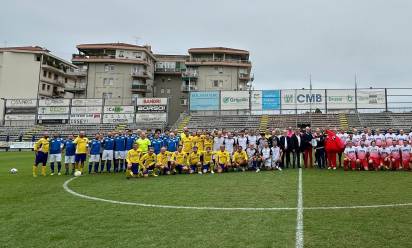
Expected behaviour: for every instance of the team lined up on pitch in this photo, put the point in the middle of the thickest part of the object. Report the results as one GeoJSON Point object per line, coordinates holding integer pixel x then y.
{"type": "Point", "coordinates": [141, 155]}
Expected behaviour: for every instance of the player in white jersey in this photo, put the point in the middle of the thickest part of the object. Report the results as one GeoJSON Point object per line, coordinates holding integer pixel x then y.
{"type": "Point", "coordinates": [385, 156]}
{"type": "Point", "coordinates": [242, 140]}
{"type": "Point", "coordinates": [276, 156]}
{"type": "Point", "coordinates": [265, 156]}
{"type": "Point", "coordinates": [229, 143]}
{"type": "Point", "coordinates": [253, 157]}
{"type": "Point", "coordinates": [395, 152]}
{"type": "Point", "coordinates": [406, 155]}
{"type": "Point", "coordinates": [401, 137]}
{"type": "Point", "coordinates": [349, 156]}
{"type": "Point", "coordinates": [361, 153]}
{"type": "Point", "coordinates": [218, 141]}
{"type": "Point", "coordinates": [374, 158]}
{"type": "Point", "coordinates": [379, 138]}
{"type": "Point", "coordinates": [390, 137]}
{"type": "Point", "coordinates": [252, 138]}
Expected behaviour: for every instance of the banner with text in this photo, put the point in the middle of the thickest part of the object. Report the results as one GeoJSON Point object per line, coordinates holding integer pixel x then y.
{"type": "Point", "coordinates": [149, 117]}
{"type": "Point", "coordinates": [118, 118]}
{"type": "Point", "coordinates": [234, 100]}
{"type": "Point", "coordinates": [53, 110]}
{"type": "Point", "coordinates": [340, 99]}
{"type": "Point", "coordinates": [20, 117]}
{"type": "Point", "coordinates": [204, 100]}
{"type": "Point", "coordinates": [21, 103]}
{"type": "Point", "coordinates": [87, 102]}
{"type": "Point", "coordinates": [85, 118]}
{"type": "Point", "coordinates": [119, 109]}
{"type": "Point", "coordinates": [303, 99]}
{"type": "Point", "coordinates": [54, 102]}
{"type": "Point", "coordinates": [86, 110]}
{"type": "Point", "coordinates": [371, 98]}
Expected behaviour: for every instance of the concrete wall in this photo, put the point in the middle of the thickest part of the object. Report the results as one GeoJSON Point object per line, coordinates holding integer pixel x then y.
{"type": "Point", "coordinates": [19, 76]}
{"type": "Point", "coordinates": [208, 74]}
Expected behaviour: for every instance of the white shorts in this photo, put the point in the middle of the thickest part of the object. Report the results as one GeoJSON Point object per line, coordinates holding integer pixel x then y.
{"type": "Point", "coordinates": [107, 155]}
{"type": "Point", "coordinates": [120, 154]}
{"type": "Point", "coordinates": [69, 159]}
{"type": "Point", "coordinates": [94, 158]}
{"type": "Point", "coordinates": [275, 163]}
{"type": "Point", "coordinates": [55, 158]}
{"type": "Point", "coordinates": [267, 162]}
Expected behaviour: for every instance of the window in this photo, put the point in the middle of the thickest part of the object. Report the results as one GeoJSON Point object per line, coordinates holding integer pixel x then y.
{"type": "Point", "coordinates": [108, 81]}
{"type": "Point", "coordinates": [44, 73]}
{"type": "Point", "coordinates": [37, 57]}
{"type": "Point", "coordinates": [43, 87]}
{"type": "Point", "coordinates": [162, 91]}
{"type": "Point", "coordinates": [107, 95]}
{"type": "Point", "coordinates": [65, 80]}
{"type": "Point", "coordinates": [121, 54]}
{"type": "Point", "coordinates": [163, 80]}
{"type": "Point", "coordinates": [48, 87]}
{"type": "Point", "coordinates": [50, 75]}
{"type": "Point", "coordinates": [218, 83]}
{"type": "Point", "coordinates": [108, 67]}
{"type": "Point", "coordinates": [168, 91]}
{"type": "Point", "coordinates": [56, 76]}
{"type": "Point", "coordinates": [183, 102]}
{"type": "Point", "coordinates": [137, 55]}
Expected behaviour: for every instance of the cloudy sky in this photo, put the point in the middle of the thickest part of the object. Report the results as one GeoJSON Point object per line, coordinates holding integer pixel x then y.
{"type": "Point", "coordinates": [332, 40]}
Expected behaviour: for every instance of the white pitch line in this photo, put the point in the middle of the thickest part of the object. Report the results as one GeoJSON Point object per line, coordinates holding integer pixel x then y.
{"type": "Point", "coordinates": [68, 190]}
{"type": "Point", "coordinates": [299, 214]}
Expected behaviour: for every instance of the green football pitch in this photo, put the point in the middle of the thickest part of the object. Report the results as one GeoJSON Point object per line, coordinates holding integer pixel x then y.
{"type": "Point", "coordinates": [267, 209]}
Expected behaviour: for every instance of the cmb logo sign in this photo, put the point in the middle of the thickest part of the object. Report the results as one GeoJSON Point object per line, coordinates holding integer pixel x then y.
{"type": "Point", "coordinates": [309, 98]}
{"type": "Point", "coordinates": [303, 99]}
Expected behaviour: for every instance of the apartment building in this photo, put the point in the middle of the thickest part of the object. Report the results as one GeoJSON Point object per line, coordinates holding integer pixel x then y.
{"type": "Point", "coordinates": [168, 83]}
{"type": "Point", "coordinates": [116, 71]}
{"type": "Point", "coordinates": [218, 68]}
{"type": "Point", "coordinates": [33, 72]}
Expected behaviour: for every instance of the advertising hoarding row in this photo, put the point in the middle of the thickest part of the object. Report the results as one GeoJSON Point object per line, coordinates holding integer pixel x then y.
{"type": "Point", "coordinates": [151, 110]}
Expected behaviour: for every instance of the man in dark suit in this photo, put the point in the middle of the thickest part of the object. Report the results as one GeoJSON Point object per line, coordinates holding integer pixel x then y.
{"type": "Point", "coordinates": [307, 138]}
{"type": "Point", "coordinates": [273, 138]}
{"type": "Point", "coordinates": [286, 146]}
{"type": "Point", "coordinates": [297, 148]}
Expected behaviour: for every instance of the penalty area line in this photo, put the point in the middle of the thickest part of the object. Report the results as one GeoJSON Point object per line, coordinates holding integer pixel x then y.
{"type": "Point", "coordinates": [299, 213]}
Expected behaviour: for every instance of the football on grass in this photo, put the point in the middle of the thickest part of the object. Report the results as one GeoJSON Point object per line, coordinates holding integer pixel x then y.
{"type": "Point", "coordinates": [13, 171]}
{"type": "Point", "coordinates": [77, 173]}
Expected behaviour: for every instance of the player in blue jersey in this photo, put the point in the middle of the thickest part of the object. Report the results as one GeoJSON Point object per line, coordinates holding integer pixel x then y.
{"type": "Point", "coordinates": [107, 156]}
{"type": "Point", "coordinates": [171, 143]}
{"type": "Point", "coordinates": [119, 152]}
{"type": "Point", "coordinates": [94, 151]}
{"type": "Point", "coordinates": [130, 140]}
{"type": "Point", "coordinates": [157, 143]}
{"type": "Point", "coordinates": [70, 150]}
{"type": "Point", "coordinates": [56, 144]}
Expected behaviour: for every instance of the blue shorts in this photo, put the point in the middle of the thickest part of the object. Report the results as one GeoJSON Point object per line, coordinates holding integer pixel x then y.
{"type": "Point", "coordinates": [135, 168]}
{"type": "Point", "coordinates": [41, 158]}
{"type": "Point", "coordinates": [80, 157]}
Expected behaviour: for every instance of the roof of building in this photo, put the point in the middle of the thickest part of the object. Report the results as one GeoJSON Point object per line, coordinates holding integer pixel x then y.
{"type": "Point", "coordinates": [117, 45]}
{"type": "Point", "coordinates": [218, 49]}
{"type": "Point", "coordinates": [25, 48]}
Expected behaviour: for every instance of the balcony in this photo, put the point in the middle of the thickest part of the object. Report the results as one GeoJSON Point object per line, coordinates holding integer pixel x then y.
{"type": "Point", "coordinates": [77, 73]}
{"type": "Point", "coordinates": [187, 88]}
{"type": "Point", "coordinates": [244, 76]}
{"type": "Point", "coordinates": [139, 88]}
{"type": "Point", "coordinates": [75, 88]}
{"type": "Point", "coordinates": [58, 93]}
{"type": "Point", "coordinates": [191, 74]}
{"type": "Point", "coordinates": [176, 71]}
{"type": "Point", "coordinates": [142, 74]}
{"type": "Point", "coordinates": [218, 61]}
{"type": "Point", "coordinates": [80, 58]}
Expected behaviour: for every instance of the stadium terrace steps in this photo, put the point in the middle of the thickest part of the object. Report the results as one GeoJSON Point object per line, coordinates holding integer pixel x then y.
{"type": "Point", "coordinates": [264, 121]}
{"type": "Point", "coordinates": [343, 119]}
{"type": "Point", "coordinates": [183, 123]}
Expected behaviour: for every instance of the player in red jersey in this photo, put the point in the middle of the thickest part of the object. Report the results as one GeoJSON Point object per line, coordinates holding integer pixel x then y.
{"type": "Point", "coordinates": [362, 152]}
{"type": "Point", "coordinates": [374, 158]}
{"type": "Point", "coordinates": [349, 156]}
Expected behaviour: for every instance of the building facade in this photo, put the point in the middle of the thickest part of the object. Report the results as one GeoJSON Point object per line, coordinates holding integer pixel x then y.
{"type": "Point", "coordinates": [117, 72]}
{"type": "Point", "coordinates": [33, 72]}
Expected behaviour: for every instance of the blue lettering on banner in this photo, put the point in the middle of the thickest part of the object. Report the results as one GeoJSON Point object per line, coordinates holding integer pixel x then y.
{"type": "Point", "coordinates": [270, 99]}
{"type": "Point", "coordinates": [309, 98]}
{"type": "Point", "coordinates": [205, 100]}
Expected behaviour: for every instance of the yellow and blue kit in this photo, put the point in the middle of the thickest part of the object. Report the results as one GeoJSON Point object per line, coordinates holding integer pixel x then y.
{"type": "Point", "coordinates": [187, 143]}
{"type": "Point", "coordinates": [41, 147]}
{"type": "Point", "coordinates": [207, 159]}
{"type": "Point", "coordinates": [81, 149]}
{"type": "Point", "coordinates": [240, 156]}
{"type": "Point", "coordinates": [133, 158]}
{"type": "Point", "coordinates": [148, 162]}
{"type": "Point", "coordinates": [222, 158]}
{"type": "Point", "coordinates": [194, 160]}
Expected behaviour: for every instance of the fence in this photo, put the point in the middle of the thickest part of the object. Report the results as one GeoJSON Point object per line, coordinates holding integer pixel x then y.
{"type": "Point", "coordinates": [296, 101]}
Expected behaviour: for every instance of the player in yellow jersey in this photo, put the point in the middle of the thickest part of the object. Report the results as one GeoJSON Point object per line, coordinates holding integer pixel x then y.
{"type": "Point", "coordinates": [148, 163]}
{"type": "Point", "coordinates": [198, 140]}
{"type": "Point", "coordinates": [208, 142]}
{"type": "Point", "coordinates": [82, 144]}
{"type": "Point", "coordinates": [41, 148]}
{"type": "Point", "coordinates": [240, 159]}
{"type": "Point", "coordinates": [179, 161]}
{"type": "Point", "coordinates": [133, 162]}
{"type": "Point", "coordinates": [193, 160]}
{"type": "Point", "coordinates": [187, 143]}
{"type": "Point", "coordinates": [207, 161]}
{"type": "Point", "coordinates": [162, 161]}
{"type": "Point", "coordinates": [222, 158]}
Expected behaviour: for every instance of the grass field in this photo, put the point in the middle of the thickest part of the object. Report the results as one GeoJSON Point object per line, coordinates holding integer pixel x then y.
{"type": "Point", "coordinates": [38, 212]}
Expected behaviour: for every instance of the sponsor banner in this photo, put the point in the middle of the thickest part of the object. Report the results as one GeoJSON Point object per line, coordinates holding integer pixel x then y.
{"type": "Point", "coordinates": [53, 110]}
{"type": "Point", "coordinates": [20, 117]}
{"type": "Point", "coordinates": [118, 118]}
{"type": "Point", "coordinates": [149, 117]}
{"type": "Point", "coordinates": [87, 102]}
{"type": "Point", "coordinates": [204, 100]}
{"type": "Point", "coordinates": [234, 100]}
{"type": "Point", "coordinates": [21, 103]}
{"type": "Point", "coordinates": [256, 100]}
{"type": "Point", "coordinates": [151, 109]}
{"type": "Point", "coordinates": [4, 144]}
{"type": "Point", "coordinates": [21, 145]}
{"type": "Point", "coordinates": [371, 98]}
{"type": "Point", "coordinates": [86, 110]}
{"type": "Point", "coordinates": [54, 102]}
{"type": "Point", "coordinates": [85, 118]}
{"type": "Point", "coordinates": [270, 100]}
{"type": "Point", "coordinates": [303, 99]}
{"type": "Point", "coordinates": [52, 117]}
{"type": "Point", "coordinates": [341, 99]}
{"type": "Point", "coordinates": [151, 101]}
{"type": "Point", "coordinates": [119, 109]}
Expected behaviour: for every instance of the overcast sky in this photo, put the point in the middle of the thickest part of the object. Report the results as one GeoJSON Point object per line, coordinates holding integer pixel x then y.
{"type": "Point", "coordinates": [288, 40]}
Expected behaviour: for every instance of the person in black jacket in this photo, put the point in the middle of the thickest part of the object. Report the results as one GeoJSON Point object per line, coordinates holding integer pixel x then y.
{"type": "Point", "coordinates": [286, 146]}
{"type": "Point", "coordinates": [320, 155]}
{"type": "Point", "coordinates": [297, 148]}
{"type": "Point", "coordinates": [307, 138]}
{"type": "Point", "coordinates": [273, 138]}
